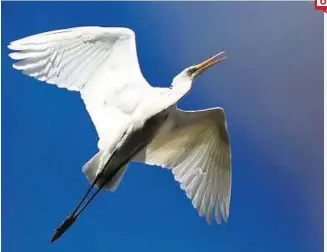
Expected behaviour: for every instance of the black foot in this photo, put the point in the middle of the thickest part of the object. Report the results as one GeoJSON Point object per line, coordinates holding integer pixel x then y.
{"type": "Point", "coordinates": [62, 228]}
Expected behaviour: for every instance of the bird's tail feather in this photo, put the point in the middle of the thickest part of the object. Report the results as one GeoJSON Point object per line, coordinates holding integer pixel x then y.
{"type": "Point", "coordinates": [92, 167]}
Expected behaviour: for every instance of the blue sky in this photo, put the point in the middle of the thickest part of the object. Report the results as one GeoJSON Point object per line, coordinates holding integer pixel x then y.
{"type": "Point", "coordinates": [271, 88]}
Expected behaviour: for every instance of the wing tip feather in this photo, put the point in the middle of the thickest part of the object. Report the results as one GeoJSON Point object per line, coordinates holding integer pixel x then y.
{"type": "Point", "coordinates": [11, 46]}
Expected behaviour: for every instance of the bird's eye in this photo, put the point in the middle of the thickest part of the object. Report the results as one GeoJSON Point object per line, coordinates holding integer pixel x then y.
{"type": "Point", "coordinates": [190, 71]}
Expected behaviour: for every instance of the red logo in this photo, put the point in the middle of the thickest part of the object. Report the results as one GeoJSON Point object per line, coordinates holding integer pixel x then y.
{"type": "Point", "coordinates": [321, 5]}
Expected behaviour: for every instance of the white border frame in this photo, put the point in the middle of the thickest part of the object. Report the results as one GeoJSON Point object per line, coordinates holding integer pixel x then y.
{"type": "Point", "coordinates": [325, 109]}
{"type": "Point", "coordinates": [325, 123]}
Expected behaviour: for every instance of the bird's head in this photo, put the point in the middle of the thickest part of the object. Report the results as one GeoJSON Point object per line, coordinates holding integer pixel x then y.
{"type": "Point", "coordinates": [191, 73]}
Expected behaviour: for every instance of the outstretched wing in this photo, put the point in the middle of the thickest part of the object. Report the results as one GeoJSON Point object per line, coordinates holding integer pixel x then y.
{"type": "Point", "coordinates": [101, 63]}
{"type": "Point", "coordinates": [196, 147]}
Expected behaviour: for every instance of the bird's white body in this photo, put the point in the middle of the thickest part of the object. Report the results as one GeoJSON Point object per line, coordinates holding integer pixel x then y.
{"type": "Point", "coordinates": [134, 121]}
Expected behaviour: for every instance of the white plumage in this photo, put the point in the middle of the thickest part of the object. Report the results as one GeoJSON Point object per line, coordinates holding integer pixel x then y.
{"type": "Point", "coordinates": [101, 63]}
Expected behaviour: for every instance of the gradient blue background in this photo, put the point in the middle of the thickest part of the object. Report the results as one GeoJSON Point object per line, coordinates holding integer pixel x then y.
{"type": "Point", "coordinates": [271, 88]}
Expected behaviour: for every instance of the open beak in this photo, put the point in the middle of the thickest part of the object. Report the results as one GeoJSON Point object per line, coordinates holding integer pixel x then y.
{"type": "Point", "coordinates": [200, 68]}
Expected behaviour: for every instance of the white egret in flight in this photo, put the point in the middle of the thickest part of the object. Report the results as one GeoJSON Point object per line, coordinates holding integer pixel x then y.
{"type": "Point", "coordinates": [134, 121]}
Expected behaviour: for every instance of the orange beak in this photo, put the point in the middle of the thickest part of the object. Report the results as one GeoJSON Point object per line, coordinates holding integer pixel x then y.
{"type": "Point", "coordinates": [200, 68]}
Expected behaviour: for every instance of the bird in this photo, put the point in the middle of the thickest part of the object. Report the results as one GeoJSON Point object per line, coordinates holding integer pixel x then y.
{"type": "Point", "coordinates": [135, 121]}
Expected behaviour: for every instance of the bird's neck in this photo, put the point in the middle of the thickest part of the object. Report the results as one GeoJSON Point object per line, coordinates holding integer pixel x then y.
{"type": "Point", "coordinates": [179, 89]}
{"type": "Point", "coordinates": [170, 96]}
